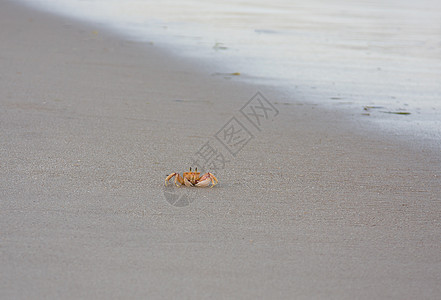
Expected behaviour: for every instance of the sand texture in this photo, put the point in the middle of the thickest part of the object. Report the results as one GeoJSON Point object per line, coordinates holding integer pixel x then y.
{"type": "Point", "coordinates": [314, 206]}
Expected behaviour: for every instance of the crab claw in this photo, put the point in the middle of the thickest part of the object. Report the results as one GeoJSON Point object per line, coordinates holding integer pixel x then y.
{"type": "Point", "coordinates": [187, 182]}
{"type": "Point", "coordinates": [203, 183]}
{"type": "Point", "coordinates": [205, 180]}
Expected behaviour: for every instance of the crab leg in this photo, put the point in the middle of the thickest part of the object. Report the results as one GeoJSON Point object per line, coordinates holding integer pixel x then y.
{"type": "Point", "coordinates": [177, 178]}
{"type": "Point", "coordinates": [169, 177]}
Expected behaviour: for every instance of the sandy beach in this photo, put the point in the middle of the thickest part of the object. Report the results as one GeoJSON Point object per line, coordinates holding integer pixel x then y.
{"type": "Point", "coordinates": [315, 206]}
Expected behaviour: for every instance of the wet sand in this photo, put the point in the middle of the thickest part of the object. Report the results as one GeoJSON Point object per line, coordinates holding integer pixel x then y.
{"type": "Point", "coordinates": [314, 206]}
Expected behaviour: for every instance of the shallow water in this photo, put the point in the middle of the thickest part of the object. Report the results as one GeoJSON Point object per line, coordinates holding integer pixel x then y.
{"type": "Point", "coordinates": [372, 58]}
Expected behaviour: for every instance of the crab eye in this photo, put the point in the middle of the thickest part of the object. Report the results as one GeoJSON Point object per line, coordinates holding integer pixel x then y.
{"type": "Point", "coordinates": [196, 170]}
{"type": "Point", "coordinates": [190, 169]}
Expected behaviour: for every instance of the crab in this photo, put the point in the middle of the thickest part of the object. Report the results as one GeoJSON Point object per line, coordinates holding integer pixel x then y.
{"type": "Point", "coordinates": [193, 179]}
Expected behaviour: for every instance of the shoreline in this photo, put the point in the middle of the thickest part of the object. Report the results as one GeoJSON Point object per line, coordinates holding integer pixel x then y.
{"type": "Point", "coordinates": [312, 207]}
{"type": "Point", "coordinates": [396, 96]}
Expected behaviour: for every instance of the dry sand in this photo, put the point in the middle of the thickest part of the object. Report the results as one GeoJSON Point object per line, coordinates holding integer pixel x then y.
{"type": "Point", "coordinates": [315, 206]}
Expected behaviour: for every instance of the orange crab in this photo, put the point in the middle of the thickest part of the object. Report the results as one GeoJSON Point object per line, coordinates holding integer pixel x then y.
{"type": "Point", "coordinates": [193, 179]}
